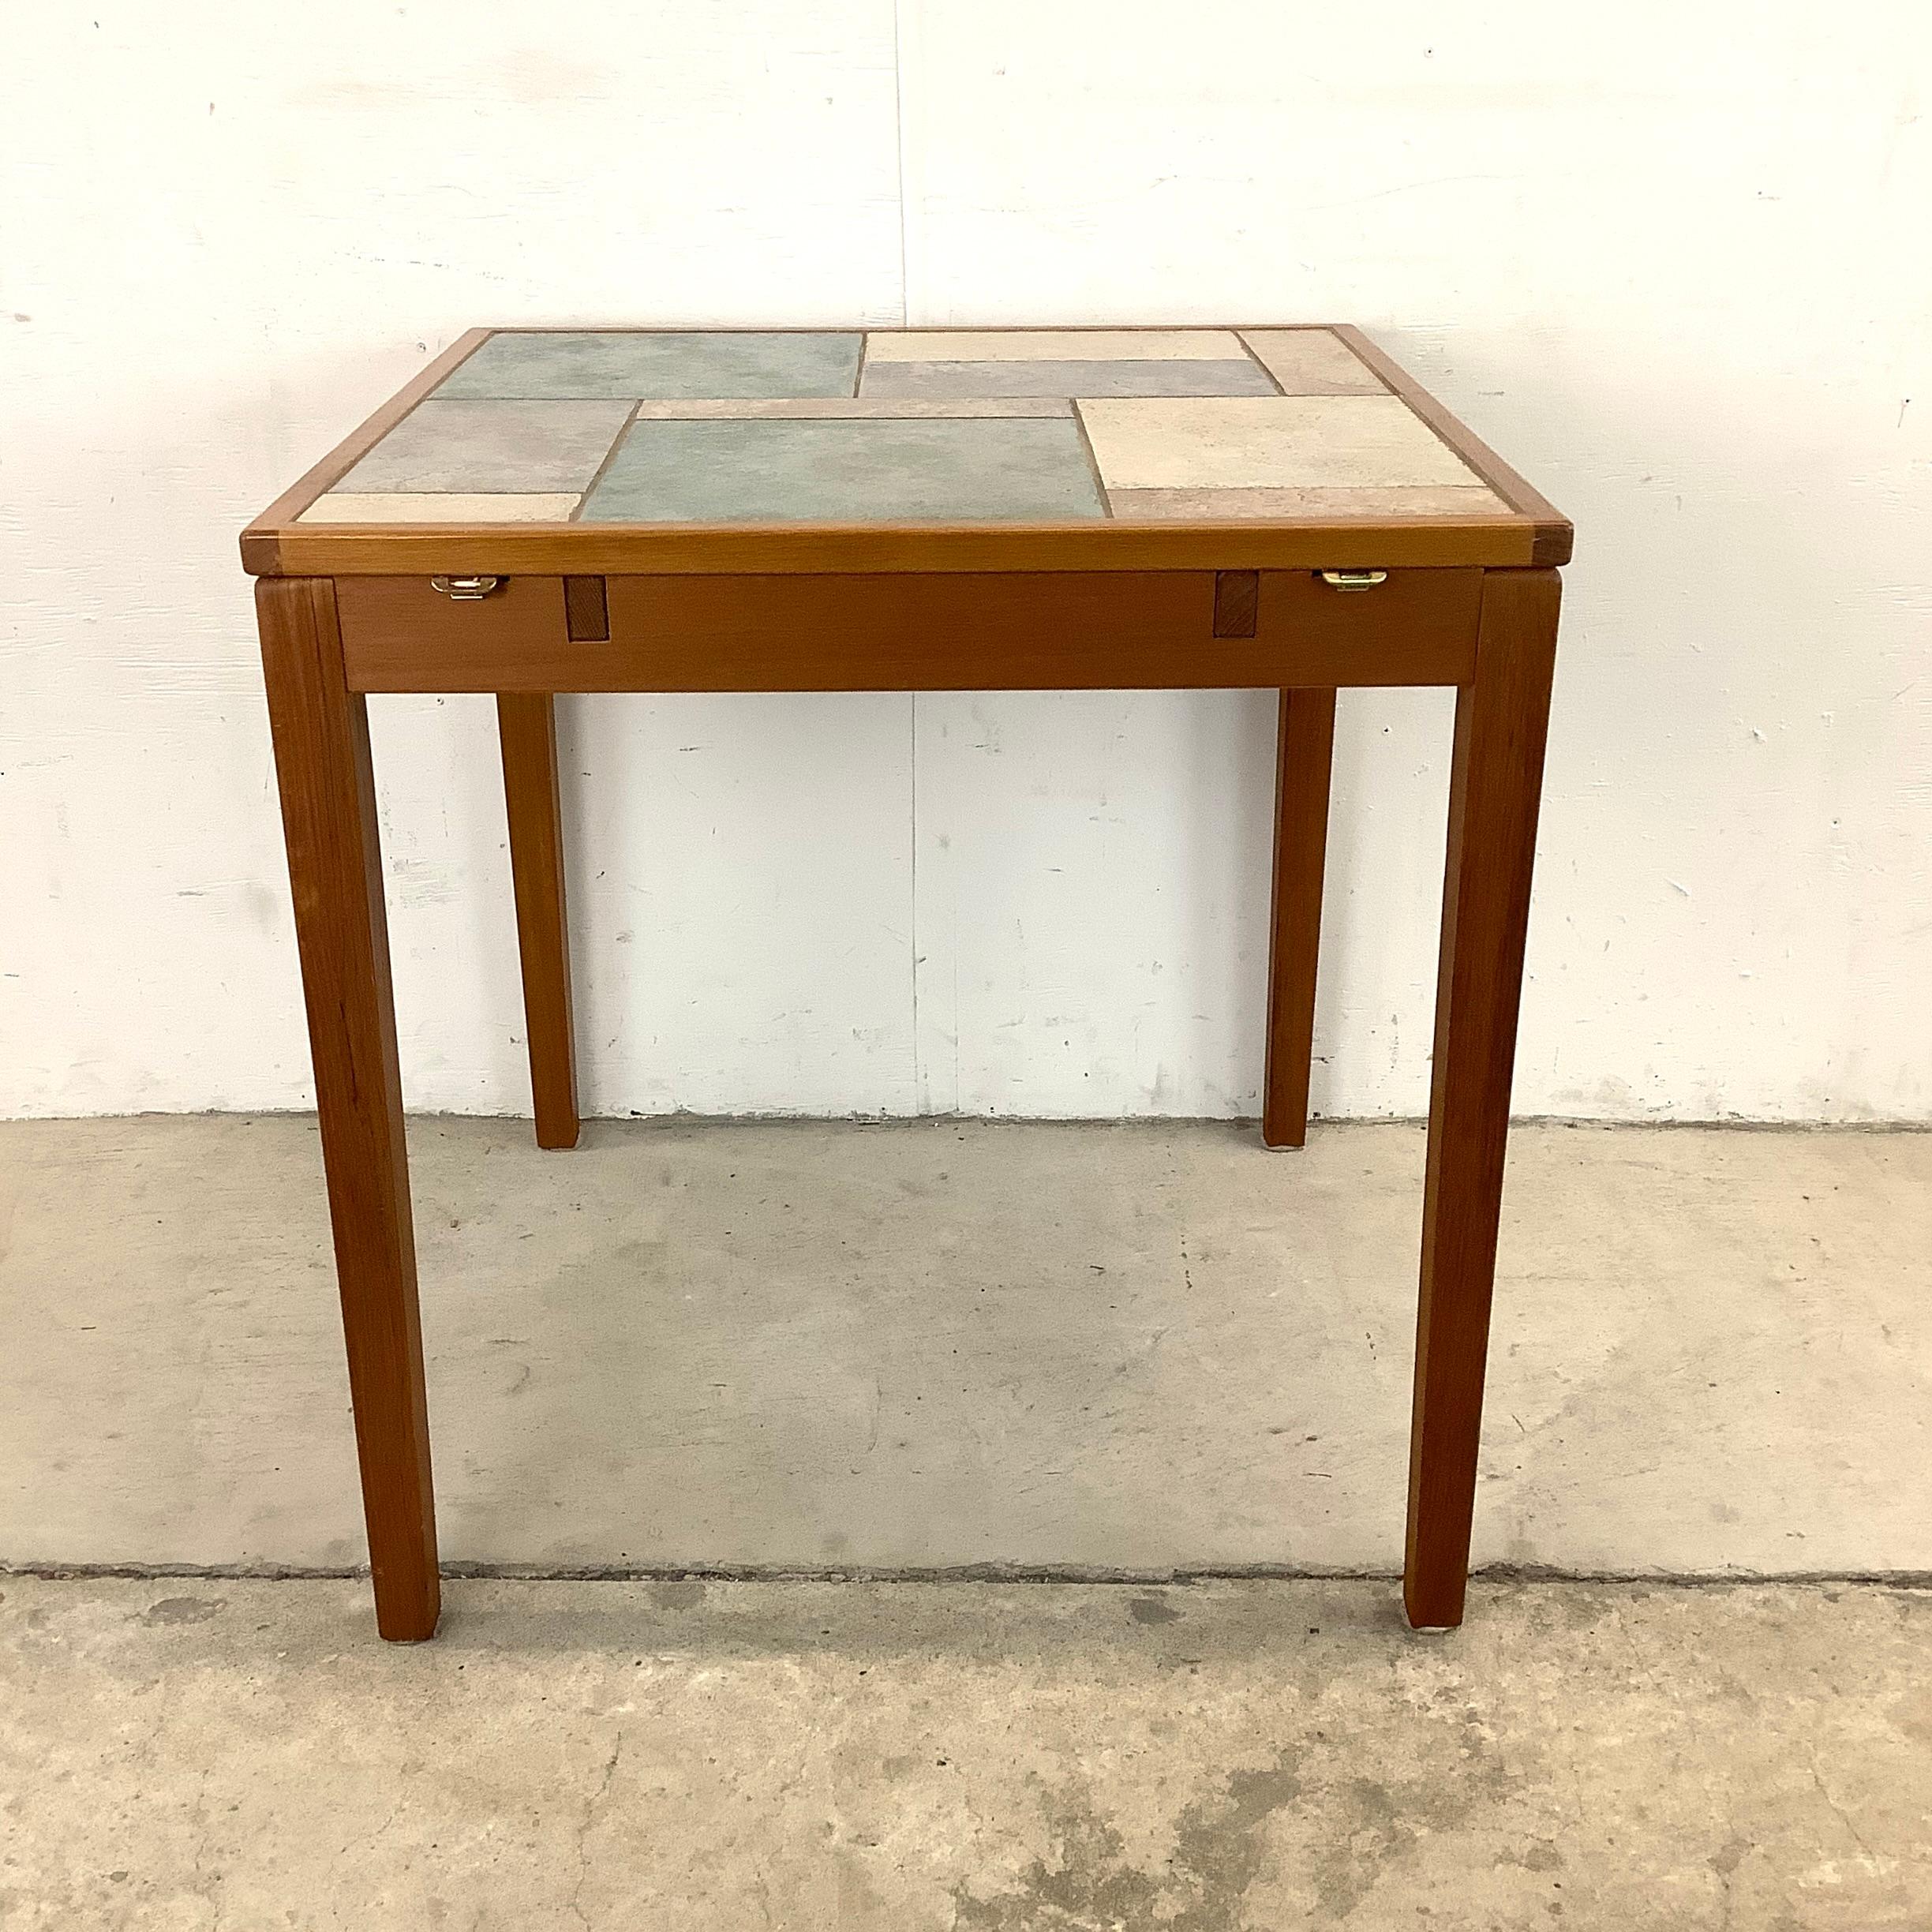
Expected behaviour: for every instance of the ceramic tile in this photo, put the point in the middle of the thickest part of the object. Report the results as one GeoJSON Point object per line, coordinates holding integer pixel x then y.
{"type": "Point", "coordinates": [440, 508]}
{"type": "Point", "coordinates": [1053, 345]}
{"type": "Point", "coordinates": [964, 426]}
{"type": "Point", "coordinates": [492, 448]}
{"type": "Point", "coordinates": [1266, 443]}
{"type": "Point", "coordinates": [1288, 505]}
{"type": "Point", "coordinates": [858, 408]}
{"type": "Point", "coordinates": [1312, 362]}
{"type": "Point", "coordinates": [1181, 376]}
{"type": "Point", "coordinates": [779, 471]}
{"type": "Point", "coordinates": [635, 363]}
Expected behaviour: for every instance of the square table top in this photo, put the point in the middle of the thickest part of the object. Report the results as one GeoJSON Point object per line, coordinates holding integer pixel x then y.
{"type": "Point", "coordinates": [615, 450]}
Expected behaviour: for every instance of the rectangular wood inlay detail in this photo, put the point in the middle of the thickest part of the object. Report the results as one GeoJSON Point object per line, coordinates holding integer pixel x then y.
{"type": "Point", "coordinates": [1238, 596]}
{"type": "Point", "coordinates": [585, 613]}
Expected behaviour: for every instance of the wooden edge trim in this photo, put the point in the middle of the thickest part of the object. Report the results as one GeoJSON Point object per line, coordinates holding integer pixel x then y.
{"type": "Point", "coordinates": [260, 547]}
{"type": "Point", "coordinates": [1553, 543]}
{"type": "Point", "coordinates": [1555, 536]}
{"type": "Point", "coordinates": [659, 549]}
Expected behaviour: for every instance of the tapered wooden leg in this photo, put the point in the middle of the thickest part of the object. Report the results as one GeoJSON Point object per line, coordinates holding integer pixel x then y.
{"type": "Point", "coordinates": [1304, 754]}
{"type": "Point", "coordinates": [1502, 720]}
{"type": "Point", "coordinates": [527, 725]}
{"type": "Point", "coordinates": [328, 817]}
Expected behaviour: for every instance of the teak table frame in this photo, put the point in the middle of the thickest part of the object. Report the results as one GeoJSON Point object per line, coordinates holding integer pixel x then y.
{"type": "Point", "coordinates": [1466, 600]}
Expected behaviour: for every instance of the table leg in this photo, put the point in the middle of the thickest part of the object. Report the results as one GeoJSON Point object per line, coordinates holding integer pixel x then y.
{"type": "Point", "coordinates": [329, 814]}
{"type": "Point", "coordinates": [527, 725]}
{"type": "Point", "coordinates": [1303, 753]}
{"type": "Point", "coordinates": [1502, 718]}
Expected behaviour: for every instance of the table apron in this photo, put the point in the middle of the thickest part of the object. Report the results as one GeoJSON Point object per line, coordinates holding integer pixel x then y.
{"type": "Point", "coordinates": [1016, 630]}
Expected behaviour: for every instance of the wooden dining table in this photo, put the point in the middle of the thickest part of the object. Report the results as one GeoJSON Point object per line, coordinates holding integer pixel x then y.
{"type": "Point", "coordinates": [544, 511]}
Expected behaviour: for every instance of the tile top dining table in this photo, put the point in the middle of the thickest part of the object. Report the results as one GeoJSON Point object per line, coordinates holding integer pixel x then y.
{"type": "Point", "coordinates": [649, 510]}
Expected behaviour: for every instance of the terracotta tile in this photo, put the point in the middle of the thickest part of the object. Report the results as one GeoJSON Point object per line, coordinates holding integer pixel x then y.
{"type": "Point", "coordinates": [1313, 362]}
{"type": "Point", "coordinates": [909, 409]}
{"type": "Point", "coordinates": [1290, 505]}
{"type": "Point", "coordinates": [493, 448]}
{"type": "Point", "coordinates": [440, 508]}
{"type": "Point", "coordinates": [1266, 443]}
{"type": "Point", "coordinates": [1052, 345]}
{"type": "Point", "coordinates": [1183, 376]}
{"type": "Point", "coordinates": [774, 470]}
{"type": "Point", "coordinates": [563, 365]}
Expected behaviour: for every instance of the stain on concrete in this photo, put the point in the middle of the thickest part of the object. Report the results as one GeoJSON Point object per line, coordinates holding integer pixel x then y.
{"type": "Point", "coordinates": [981, 1758]}
{"type": "Point", "coordinates": [184, 1610]}
{"type": "Point", "coordinates": [1087, 1880]}
{"type": "Point", "coordinates": [1379, 1832]}
{"type": "Point", "coordinates": [1729, 1856]}
{"type": "Point", "coordinates": [1153, 1610]}
{"type": "Point", "coordinates": [684, 1594]}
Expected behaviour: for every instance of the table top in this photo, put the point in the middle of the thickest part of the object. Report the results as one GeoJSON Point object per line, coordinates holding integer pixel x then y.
{"type": "Point", "coordinates": [680, 449]}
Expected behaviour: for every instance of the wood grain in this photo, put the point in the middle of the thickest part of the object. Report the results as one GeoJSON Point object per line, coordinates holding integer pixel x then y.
{"type": "Point", "coordinates": [1495, 784]}
{"type": "Point", "coordinates": [526, 724]}
{"type": "Point", "coordinates": [342, 550]}
{"type": "Point", "coordinates": [1017, 631]}
{"type": "Point", "coordinates": [585, 613]}
{"type": "Point", "coordinates": [1237, 597]}
{"type": "Point", "coordinates": [321, 731]}
{"type": "Point", "coordinates": [1304, 757]}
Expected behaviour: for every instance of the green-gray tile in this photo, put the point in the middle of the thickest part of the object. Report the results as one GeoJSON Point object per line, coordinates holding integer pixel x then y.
{"type": "Point", "coordinates": [1176, 377]}
{"type": "Point", "coordinates": [491, 448]}
{"type": "Point", "coordinates": [668, 364]}
{"type": "Point", "coordinates": [779, 470]}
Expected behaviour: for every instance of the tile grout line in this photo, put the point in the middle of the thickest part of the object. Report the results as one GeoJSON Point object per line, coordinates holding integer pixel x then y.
{"type": "Point", "coordinates": [610, 456]}
{"type": "Point", "coordinates": [1247, 350]}
{"type": "Point", "coordinates": [1093, 462]}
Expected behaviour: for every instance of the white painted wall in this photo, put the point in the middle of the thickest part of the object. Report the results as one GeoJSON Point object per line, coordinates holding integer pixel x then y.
{"type": "Point", "coordinates": [1671, 260]}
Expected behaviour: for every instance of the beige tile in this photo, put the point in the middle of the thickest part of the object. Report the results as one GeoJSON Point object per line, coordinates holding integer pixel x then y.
{"type": "Point", "coordinates": [1054, 345]}
{"type": "Point", "coordinates": [853, 409]}
{"type": "Point", "coordinates": [1312, 362]}
{"type": "Point", "coordinates": [1103, 375]}
{"type": "Point", "coordinates": [428, 506]}
{"type": "Point", "coordinates": [1291, 505]}
{"type": "Point", "coordinates": [1265, 443]}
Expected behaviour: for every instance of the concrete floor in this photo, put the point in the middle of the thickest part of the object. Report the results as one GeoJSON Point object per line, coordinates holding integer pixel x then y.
{"type": "Point", "coordinates": [1224, 1757]}
{"type": "Point", "coordinates": [1084, 1349]}
{"type": "Point", "coordinates": [1130, 1350]}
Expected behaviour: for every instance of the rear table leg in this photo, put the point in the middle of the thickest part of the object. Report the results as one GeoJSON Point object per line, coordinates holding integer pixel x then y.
{"type": "Point", "coordinates": [527, 726]}
{"type": "Point", "coordinates": [1304, 749]}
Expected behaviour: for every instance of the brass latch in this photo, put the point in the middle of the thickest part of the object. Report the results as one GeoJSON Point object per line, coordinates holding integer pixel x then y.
{"type": "Point", "coordinates": [1354, 580]}
{"type": "Point", "coordinates": [464, 589]}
